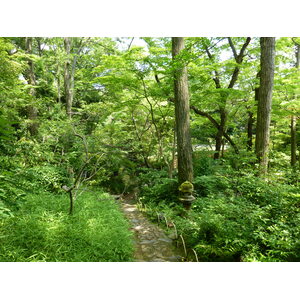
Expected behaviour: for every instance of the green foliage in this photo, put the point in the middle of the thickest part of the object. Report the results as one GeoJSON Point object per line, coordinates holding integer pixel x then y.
{"type": "Point", "coordinates": [123, 124]}
{"type": "Point", "coordinates": [4, 210]}
{"type": "Point", "coordinates": [236, 217]}
{"type": "Point", "coordinates": [11, 192]}
{"type": "Point", "coordinates": [156, 187]}
{"type": "Point", "coordinates": [212, 184]}
{"type": "Point", "coordinates": [203, 163]}
{"type": "Point", "coordinates": [165, 191]}
{"type": "Point", "coordinates": [43, 178]}
{"type": "Point", "coordinates": [237, 229]}
{"type": "Point", "coordinates": [42, 231]}
{"type": "Point", "coordinates": [16, 183]}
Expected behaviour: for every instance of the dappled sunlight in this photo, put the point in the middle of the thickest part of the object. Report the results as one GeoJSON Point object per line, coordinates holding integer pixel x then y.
{"type": "Point", "coordinates": [55, 236]}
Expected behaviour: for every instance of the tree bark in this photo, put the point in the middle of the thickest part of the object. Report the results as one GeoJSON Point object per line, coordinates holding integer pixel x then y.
{"type": "Point", "coordinates": [219, 136]}
{"type": "Point", "coordinates": [265, 102]}
{"type": "Point", "coordinates": [182, 114]}
{"type": "Point", "coordinates": [68, 77]}
{"type": "Point", "coordinates": [71, 202]}
{"type": "Point", "coordinates": [30, 77]}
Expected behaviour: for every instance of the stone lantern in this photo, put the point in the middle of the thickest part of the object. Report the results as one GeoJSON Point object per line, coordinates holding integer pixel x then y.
{"type": "Point", "coordinates": [186, 194]}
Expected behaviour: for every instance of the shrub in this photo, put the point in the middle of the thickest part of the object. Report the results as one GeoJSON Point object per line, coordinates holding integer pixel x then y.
{"type": "Point", "coordinates": [203, 163]}
{"type": "Point", "coordinates": [211, 184]}
{"type": "Point", "coordinates": [11, 192]}
{"type": "Point", "coordinates": [42, 178]}
{"type": "Point", "coordinates": [165, 191]}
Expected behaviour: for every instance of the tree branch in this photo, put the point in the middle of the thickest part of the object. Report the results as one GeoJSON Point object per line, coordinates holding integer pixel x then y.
{"type": "Point", "coordinates": [130, 44]}
{"type": "Point", "coordinates": [241, 55]}
{"type": "Point", "coordinates": [216, 79]}
{"type": "Point", "coordinates": [217, 125]}
{"type": "Point", "coordinates": [239, 59]}
{"type": "Point", "coordinates": [206, 115]}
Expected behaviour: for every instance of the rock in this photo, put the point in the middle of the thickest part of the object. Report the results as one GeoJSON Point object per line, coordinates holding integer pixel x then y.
{"type": "Point", "coordinates": [139, 227]}
{"type": "Point", "coordinates": [175, 258]}
{"type": "Point", "coordinates": [144, 242]}
{"type": "Point", "coordinates": [167, 240]}
{"type": "Point", "coordinates": [158, 260]}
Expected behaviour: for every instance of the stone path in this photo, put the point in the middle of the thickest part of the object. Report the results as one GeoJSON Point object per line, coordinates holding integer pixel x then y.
{"type": "Point", "coordinates": [151, 242]}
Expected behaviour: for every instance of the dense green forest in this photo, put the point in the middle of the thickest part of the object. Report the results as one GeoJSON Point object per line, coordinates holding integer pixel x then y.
{"type": "Point", "coordinates": [202, 132]}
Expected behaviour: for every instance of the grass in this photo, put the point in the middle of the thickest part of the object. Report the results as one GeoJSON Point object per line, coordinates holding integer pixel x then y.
{"type": "Point", "coordinates": [42, 230]}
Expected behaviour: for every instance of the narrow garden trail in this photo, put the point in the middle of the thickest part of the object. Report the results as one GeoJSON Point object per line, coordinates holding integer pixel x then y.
{"type": "Point", "coordinates": [151, 242]}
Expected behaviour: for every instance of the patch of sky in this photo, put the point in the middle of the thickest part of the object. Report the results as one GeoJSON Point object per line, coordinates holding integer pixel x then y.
{"type": "Point", "coordinates": [123, 43]}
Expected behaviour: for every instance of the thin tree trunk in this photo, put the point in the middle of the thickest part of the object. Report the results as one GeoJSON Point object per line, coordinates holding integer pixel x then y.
{"type": "Point", "coordinates": [293, 141]}
{"type": "Point", "coordinates": [182, 115]}
{"type": "Point", "coordinates": [71, 202]}
{"type": "Point", "coordinates": [294, 120]}
{"type": "Point", "coordinates": [251, 119]}
{"type": "Point", "coordinates": [58, 84]}
{"type": "Point", "coordinates": [171, 164]}
{"type": "Point", "coordinates": [68, 77]}
{"type": "Point", "coordinates": [265, 102]}
{"type": "Point", "coordinates": [219, 136]}
{"type": "Point", "coordinates": [250, 131]}
{"type": "Point", "coordinates": [223, 148]}
{"type": "Point", "coordinates": [139, 137]}
{"type": "Point", "coordinates": [31, 109]}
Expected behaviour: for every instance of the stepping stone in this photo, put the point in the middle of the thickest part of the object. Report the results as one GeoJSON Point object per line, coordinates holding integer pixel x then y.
{"type": "Point", "coordinates": [167, 240]}
{"type": "Point", "coordinates": [130, 209]}
{"type": "Point", "coordinates": [175, 258]}
{"type": "Point", "coordinates": [139, 227]}
{"type": "Point", "coordinates": [146, 242]}
{"type": "Point", "coordinates": [159, 260]}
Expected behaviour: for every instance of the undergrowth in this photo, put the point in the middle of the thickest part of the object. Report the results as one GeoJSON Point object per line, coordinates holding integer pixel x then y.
{"type": "Point", "coordinates": [236, 216]}
{"type": "Point", "coordinates": [41, 230]}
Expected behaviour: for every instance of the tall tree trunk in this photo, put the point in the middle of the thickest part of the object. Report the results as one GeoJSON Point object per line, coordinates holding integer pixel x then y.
{"type": "Point", "coordinates": [294, 120]}
{"type": "Point", "coordinates": [68, 77]}
{"type": "Point", "coordinates": [265, 102]}
{"type": "Point", "coordinates": [182, 115]}
{"type": "Point", "coordinates": [30, 77]}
